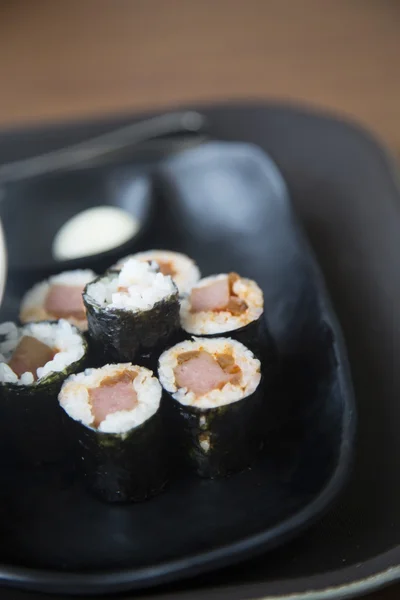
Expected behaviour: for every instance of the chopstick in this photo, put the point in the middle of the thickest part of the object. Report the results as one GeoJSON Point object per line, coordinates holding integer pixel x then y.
{"type": "Point", "coordinates": [105, 145]}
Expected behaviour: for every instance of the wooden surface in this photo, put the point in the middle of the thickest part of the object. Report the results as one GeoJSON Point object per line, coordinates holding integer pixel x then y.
{"type": "Point", "coordinates": [88, 57]}
{"type": "Point", "coordinates": [67, 59]}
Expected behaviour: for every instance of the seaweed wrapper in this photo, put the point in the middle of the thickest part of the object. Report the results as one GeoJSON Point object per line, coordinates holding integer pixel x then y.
{"type": "Point", "coordinates": [126, 467]}
{"type": "Point", "coordinates": [220, 441]}
{"type": "Point", "coordinates": [128, 336]}
{"type": "Point", "coordinates": [31, 418]}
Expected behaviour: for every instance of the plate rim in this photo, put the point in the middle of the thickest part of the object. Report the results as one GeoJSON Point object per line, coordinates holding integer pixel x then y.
{"type": "Point", "coordinates": [352, 589]}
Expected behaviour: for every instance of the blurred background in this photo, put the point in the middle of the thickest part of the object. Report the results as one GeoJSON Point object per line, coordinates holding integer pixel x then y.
{"type": "Point", "coordinates": [65, 60]}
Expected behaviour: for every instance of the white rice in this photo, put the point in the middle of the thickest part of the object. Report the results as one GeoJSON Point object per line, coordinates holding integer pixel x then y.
{"type": "Point", "coordinates": [61, 335]}
{"type": "Point", "coordinates": [211, 322]}
{"type": "Point", "coordinates": [75, 400]}
{"type": "Point", "coordinates": [144, 284]}
{"type": "Point", "coordinates": [244, 358]}
{"type": "Point", "coordinates": [32, 306]}
{"type": "Point", "coordinates": [186, 274]}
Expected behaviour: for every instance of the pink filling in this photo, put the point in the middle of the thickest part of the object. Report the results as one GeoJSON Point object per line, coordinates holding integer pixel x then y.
{"type": "Point", "coordinates": [218, 295]}
{"type": "Point", "coordinates": [65, 301]}
{"type": "Point", "coordinates": [113, 395]}
{"type": "Point", "coordinates": [201, 374]}
{"type": "Point", "coordinates": [29, 355]}
{"type": "Point", "coordinates": [211, 297]}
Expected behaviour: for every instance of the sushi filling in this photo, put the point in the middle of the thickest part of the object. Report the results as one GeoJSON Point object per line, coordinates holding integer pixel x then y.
{"type": "Point", "coordinates": [209, 373]}
{"type": "Point", "coordinates": [221, 303]}
{"type": "Point", "coordinates": [60, 297]}
{"type": "Point", "coordinates": [200, 372]}
{"type": "Point", "coordinates": [31, 353]}
{"type": "Point", "coordinates": [112, 399]}
{"type": "Point", "coordinates": [180, 267]}
{"type": "Point", "coordinates": [138, 286]}
{"type": "Point", "coordinates": [65, 301]}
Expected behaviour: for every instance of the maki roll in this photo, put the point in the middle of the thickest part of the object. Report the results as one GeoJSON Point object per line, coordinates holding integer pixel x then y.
{"type": "Point", "coordinates": [34, 361]}
{"type": "Point", "coordinates": [59, 297]}
{"type": "Point", "coordinates": [228, 304]}
{"type": "Point", "coordinates": [183, 270]}
{"type": "Point", "coordinates": [115, 418]}
{"type": "Point", "coordinates": [216, 401]}
{"type": "Point", "coordinates": [132, 313]}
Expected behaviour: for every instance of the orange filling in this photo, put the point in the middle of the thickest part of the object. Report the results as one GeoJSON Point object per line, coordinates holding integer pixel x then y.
{"type": "Point", "coordinates": [125, 377]}
{"type": "Point", "coordinates": [227, 363]}
{"type": "Point", "coordinates": [185, 356]}
{"type": "Point", "coordinates": [166, 267]}
{"type": "Point", "coordinates": [236, 306]}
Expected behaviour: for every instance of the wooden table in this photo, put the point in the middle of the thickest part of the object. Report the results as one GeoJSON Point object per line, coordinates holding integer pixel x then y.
{"type": "Point", "coordinates": [64, 60]}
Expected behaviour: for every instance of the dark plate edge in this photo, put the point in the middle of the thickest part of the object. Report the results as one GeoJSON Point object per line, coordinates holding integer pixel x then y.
{"type": "Point", "coordinates": [373, 574]}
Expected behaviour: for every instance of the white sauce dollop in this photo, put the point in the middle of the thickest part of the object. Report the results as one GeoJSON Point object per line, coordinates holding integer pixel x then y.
{"type": "Point", "coordinates": [94, 230]}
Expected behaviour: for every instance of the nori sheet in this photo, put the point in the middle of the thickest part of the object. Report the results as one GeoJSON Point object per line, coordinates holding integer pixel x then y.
{"type": "Point", "coordinates": [125, 336]}
{"type": "Point", "coordinates": [234, 433]}
{"type": "Point", "coordinates": [31, 427]}
{"type": "Point", "coordinates": [128, 467]}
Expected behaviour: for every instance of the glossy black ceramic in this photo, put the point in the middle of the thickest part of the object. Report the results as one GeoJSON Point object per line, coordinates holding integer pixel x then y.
{"type": "Point", "coordinates": [345, 192]}
{"type": "Point", "coordinates": [34, 208]}
{"type": "Point", "coordinates": [32, 211]}
{"type": "Point", "coordinates": [227, 206]}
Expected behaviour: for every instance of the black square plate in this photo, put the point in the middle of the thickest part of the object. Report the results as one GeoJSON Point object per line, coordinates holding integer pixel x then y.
{"type": "Point", "coordinates": [334, 172]}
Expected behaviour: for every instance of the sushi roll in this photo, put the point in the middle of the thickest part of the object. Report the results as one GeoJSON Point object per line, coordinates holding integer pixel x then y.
{"type": "Point", "coordinates": [115, 419]}
{"type": "Point", "coordinates": [216, 402]}
{"type": "Point", "coordinates": [132, 314]}
{"type": "Point", "coordinates": [34, 361]}
{"type": "Point", "coordinates": [59, 297]}
{"type": "Point", "coordinates": [228, 304]}
{"type": "Point", "coordinates": [183, 270]}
